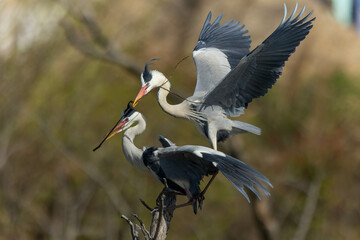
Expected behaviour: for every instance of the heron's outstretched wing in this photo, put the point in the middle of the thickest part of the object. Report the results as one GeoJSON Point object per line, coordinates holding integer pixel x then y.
{"type": "Point", "coordinates": [258, 71]}
{"type": "Point", "coordinates": [237, 172]}
{"type": "Point", "coordinates": [219, 49]}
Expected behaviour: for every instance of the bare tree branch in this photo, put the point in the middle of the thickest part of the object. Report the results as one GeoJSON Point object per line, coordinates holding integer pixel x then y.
{"type": "Point", "coordinates": [162, 216]}
{"type": "Point", "coordinates": [266, 223]}
{"type": "Point", "coordinates": [4, 146]}
{"type": "Point", "coordinates": [78, 209]}
{"type": "Point", "coordinates": [309, 209]}
{"type": "Point", "coordinates": [143, 228]}
{"type": "Point", "coordinates": [145, 204]}
{"type": "Point", "coordinates": [105, 50]}
{"type": "Point", "coordinates": [134, 231]}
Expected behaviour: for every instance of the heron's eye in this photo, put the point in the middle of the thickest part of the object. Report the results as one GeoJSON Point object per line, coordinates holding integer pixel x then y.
{"type": "Point", "coordinates": [126, 119]}
{"type": "Point", "coordinates": [147, 84]}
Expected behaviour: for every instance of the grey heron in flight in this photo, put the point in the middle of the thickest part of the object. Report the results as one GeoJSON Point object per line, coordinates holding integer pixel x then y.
{"type": "Point", "coordinates": [184, 166]}
{"type": "Point", "coordinates": [228, 76]}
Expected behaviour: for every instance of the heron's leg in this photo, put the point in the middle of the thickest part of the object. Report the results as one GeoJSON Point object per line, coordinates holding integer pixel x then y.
{"type": "Point", "coordinates": [207, 185]}
{"type": "Point", "coordinates": [199, 197]}
{"type": "Point", "coordinates": [192, 202]}
{"type": "Point", "coordinates": [188, 203]}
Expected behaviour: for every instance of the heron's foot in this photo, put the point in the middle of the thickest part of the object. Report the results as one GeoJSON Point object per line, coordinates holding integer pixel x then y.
{"type": "Point", "coordinates": [195, 201]}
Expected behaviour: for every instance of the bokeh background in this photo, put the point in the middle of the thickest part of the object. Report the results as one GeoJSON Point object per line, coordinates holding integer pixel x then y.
{"type": "Point", "coordinates": [68, 68]}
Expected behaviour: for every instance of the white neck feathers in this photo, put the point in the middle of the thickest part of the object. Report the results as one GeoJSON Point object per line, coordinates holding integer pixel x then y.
{"type": "Point", "coordinates": [180, 110]}
{"type": "Point", "coordinates": [131, 152]}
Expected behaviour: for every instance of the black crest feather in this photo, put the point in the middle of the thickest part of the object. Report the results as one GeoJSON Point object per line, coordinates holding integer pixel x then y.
{"type": "Point", "coordinates": [146, 74]}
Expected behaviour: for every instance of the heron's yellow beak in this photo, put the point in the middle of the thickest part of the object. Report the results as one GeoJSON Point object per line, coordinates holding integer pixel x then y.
{"type": "Point", "coordinates": [141, 93]}
{"type": "Point", "coordinates": [116, 130]}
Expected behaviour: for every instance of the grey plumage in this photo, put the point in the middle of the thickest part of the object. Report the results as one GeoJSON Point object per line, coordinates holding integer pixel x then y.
{"type": "Point", "coordinates": [165, 142]}
{"type": "Point", "coordinates": [225, 43]}
{"type": "Point", "coordinates": [228, 76]}
{"type": "Point", "coordinates": [236, 171]}
{"type": "Point", "coordinates": [184, 167]}
{"type": "Point", "coordinates": [260, 69]}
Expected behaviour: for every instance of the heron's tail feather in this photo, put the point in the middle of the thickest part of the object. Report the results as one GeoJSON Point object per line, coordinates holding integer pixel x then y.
{"type": "Point", "coordinates": [241, 175]}
{"type": "Point", "coordinates": [241, 127]}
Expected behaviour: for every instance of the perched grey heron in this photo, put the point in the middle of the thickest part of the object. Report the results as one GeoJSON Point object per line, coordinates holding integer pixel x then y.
{"type": "Point", "coordinates": [228, 76]}
{"type": "Point", "coordinates": [183, 167]}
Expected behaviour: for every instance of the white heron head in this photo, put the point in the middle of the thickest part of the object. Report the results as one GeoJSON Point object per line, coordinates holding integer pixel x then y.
{"type": "Point", "coordinates": [149, 81]}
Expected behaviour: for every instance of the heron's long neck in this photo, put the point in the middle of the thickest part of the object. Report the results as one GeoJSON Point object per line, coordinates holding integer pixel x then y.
{"type": "Point", "coordinates": [131, 152]}
{"type": "Point", "coordinates": [178, 110]}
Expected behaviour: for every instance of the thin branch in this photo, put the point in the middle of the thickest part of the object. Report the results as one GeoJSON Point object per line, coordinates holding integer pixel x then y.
{"type": "Point", "coordinates": [143, 228]}
{"type": "Point", "coordinates": [160, 202]}
{"type": "Point", "coordinates": [309, 209]}
{"type": "Point", "coordinates": [145, 204]}
{"type": "Point", "coordinates": [161, 213]}
{"type": "Point", "coordinates": [162, 216]}
{"type": "Point", "coordinates": [266, 223]}
{"type": "Point", "coordinates": [105, 51]}
{"type": "Point", "coordinates": [78, 209]}
{"type": "Point", "coordinates": [134, 232]}
{"type": "Point", "coordinates": [4, 147]}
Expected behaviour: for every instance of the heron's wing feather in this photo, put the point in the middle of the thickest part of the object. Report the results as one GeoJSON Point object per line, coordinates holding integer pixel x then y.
{"type": "Point", "coordinates": [165, 142]}
{"type": "Point", "coordinates": [259, 70]}
{"type": "Point", "coordinates": [219, 49]}
{"type": "Point", "coordinates": [183, 169]}
{"type": "Point", "coordinates": [237, 172]}
{"type": "Point", "coordinates": [240, 174]}
{"type": "Point", "coordinates": [184, 157]}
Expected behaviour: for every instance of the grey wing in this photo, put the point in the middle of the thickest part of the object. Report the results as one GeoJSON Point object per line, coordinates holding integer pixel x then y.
{"type": "Point", "coordinates": [184, 169]}
{"type": "Point", "coordinates": [165, 142]}
{"type": "Point", "coordinates": [240, 174]}
{"type": "Point", "coordinates": [258, 71]}
{"type": "Point", "coordinates": [219, 49]}
{"type": "Point", "coordinates": [237, 172]}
